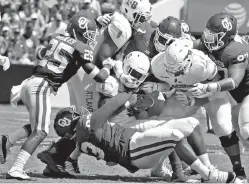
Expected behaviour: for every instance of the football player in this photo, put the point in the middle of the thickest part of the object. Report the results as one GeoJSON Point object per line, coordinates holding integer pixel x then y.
{"type": "Point", "coordinates": [135, 150]}
{"type": "Point", "coordinates": [59, 62]}
{"type": "Point", "coordinates": [222, 42]}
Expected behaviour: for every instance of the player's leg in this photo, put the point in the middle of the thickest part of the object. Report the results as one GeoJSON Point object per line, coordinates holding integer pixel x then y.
{"type": "Point", "coordinates": [148, 147]}
{"type": "Point", "coordinates": [243, 118]}
{"type": "Point", "coordinates": [186, 154]}
{"type": "Point", "coordinates": [193, 133]}
{"type": "Point", "coordinates": [6, 141]}
{"type": "Point", "coordinates": [37, 101]}
{"type": "Point", "coordinates": [56, 155]}
{"type": "Point", "coordinates": [219, 110]}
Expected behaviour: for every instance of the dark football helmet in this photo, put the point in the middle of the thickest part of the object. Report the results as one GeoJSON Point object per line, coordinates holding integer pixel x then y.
{"type": "Point", "coordinates": [83, 28]}
{"type": "Point", "coordinates": [167, 30]}
{"type": "Point", "coordinates": [66, 120]}
{"type": "Point", "coordinates": [219, 31]}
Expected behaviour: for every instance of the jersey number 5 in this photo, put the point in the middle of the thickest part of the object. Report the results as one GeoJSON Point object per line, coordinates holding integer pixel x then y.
{"type": "Point", "coordinates": [56, 61]}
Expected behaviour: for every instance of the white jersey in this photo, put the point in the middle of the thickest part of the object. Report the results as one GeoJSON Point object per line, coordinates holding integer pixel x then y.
{"type": "Point", "coordinates": [119, 29]}
{"type": "Point", "coordinates": [202, 68]}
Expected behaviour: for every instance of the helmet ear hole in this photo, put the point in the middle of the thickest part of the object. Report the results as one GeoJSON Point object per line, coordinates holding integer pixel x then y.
{"type": "Point", "coordinates": [126, 11]}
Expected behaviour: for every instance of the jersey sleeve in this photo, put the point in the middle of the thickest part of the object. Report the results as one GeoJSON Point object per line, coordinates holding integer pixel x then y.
{"type": "Point", "coordinates": [83, 53]}
{"type": "Point", "coordinates": [119, 30]}
{"type": "Point", "coordinates": [235, 53]}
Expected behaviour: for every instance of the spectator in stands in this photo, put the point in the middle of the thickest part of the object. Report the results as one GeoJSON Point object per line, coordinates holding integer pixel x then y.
{"type": "Point", "coordinates": [31, 37]}
{"type": "Point", "coordinates": [55, 26]}
{"type": "Point", "coordinates": [17, 44]}
{"type": "Point", "coordinates": [5, 40]}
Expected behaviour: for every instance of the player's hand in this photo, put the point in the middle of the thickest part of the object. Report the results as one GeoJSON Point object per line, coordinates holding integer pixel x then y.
{"type": "Point", "coordinates": [110, 62]}
{"type": "Point", "coordinates": [5, 62]}
{"type": "Point", "coordinates": [125, 78]}
{"type": "Point", "coordinates": [184, 98]}
{"type": "Point", "coordinates": [198, 90]}
{"type": "Point", "coordinates": [104, 20]}
{"type": "Point", "coordinates": [148, 87]}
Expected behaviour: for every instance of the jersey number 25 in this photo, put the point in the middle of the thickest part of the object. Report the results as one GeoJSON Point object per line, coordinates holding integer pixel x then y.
{"type": "Point", "coordinates": [58, 62]}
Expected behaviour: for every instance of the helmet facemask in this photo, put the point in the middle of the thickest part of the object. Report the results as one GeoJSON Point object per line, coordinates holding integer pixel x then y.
{"type": "Point", "coordinates": [213, 41]}
{"type": "Point", "coordinates": [161, 41]}
{"type": "Point", "coordinates": [136, 77]}
{"type": "Point", "coordinates": [139, 18]}
{"type": "Point", "coordinates": [89, 37]}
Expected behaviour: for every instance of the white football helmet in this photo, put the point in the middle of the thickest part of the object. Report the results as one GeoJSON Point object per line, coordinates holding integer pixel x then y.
{"type": "Point", "coordinates": [177, 57]}
{"type": "Point", "coordinates": [137, 66]}
{"type": "Point", "coordinates": [136, 11]}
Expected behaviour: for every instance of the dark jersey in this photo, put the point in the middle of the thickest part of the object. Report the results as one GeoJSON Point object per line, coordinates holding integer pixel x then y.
{"type": "Point", "coordinates": [235, 52]}
{"type": "Point", "coordinates": [62, 59]}
{"type": "Point", "coordinates": [109, 143]}
{"type": "Point", "coordinates": [143, 41]}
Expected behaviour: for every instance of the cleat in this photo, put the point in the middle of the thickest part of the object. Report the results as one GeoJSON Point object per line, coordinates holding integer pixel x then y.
{"type": "Point", "coordinates": [46, 158]}
{"type": "Point", "coordinates": [240, 173]}
{"type": "Point", "coordinates": [3, 149]}
{"type": "Point", "coordinates": [179, 177]}
{"type": "Point", "coordinates": [62, 174]}
{"type": "Point", "coordinates": [161, 171]}
{"type": "Point", "coordinates": [216, 176]}
{"type": "Point", "coordinates": [70, 167]}
{"type": "Point", "coordinates": [19, 175]}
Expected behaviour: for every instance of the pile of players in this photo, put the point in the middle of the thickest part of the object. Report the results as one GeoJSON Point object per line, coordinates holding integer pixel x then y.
{"type": "Point", "coordinates": [151, 80]}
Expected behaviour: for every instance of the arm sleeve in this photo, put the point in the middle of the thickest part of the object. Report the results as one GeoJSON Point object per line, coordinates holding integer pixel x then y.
{"type": "Point", "coordinates": [105, 112]}
{"type": "Point", "coordinates": [41, 53]}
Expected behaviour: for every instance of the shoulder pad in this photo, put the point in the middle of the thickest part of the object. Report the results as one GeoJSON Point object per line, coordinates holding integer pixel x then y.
{"type": "Point", "coordinates": [233, 51]}
{"type": "Point", "coordinates": [155, 62]}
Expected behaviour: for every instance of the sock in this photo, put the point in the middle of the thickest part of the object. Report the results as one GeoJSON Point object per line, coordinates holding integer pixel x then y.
{"type": "Point", "coordinates": [21, 160]}
{"type": "Point", "coordinates": [176, 163]}
{"type": "Point", "coordinates": [205, 160]}
{"type": "Point", "coordinates": [200, 169]}
{"type": "Point", "coordinates": [75, 154]}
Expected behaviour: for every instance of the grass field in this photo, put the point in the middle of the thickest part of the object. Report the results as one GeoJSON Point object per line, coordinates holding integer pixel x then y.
{"type": "Point", "coordinates": [92, 171]}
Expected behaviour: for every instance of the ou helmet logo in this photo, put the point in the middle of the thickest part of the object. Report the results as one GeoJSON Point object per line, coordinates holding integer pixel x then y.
{"type": "Point", "coordinates": [227, 24]}
{"type": "Point", "coordinates": [83, 22]}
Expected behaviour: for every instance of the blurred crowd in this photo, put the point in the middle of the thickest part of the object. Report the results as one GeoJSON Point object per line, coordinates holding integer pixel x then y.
{"type": "Point", "coordinates": [26, 24]}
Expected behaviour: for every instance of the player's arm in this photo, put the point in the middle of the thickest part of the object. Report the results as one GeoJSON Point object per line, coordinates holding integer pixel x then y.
{"type": "Point", "coordinates": [191, 101]}
{"type": "Point", "coordinates": [106, 111]}
{"type": "Point", "coordinates": [95, 73]}
{"type": "Point", "coordinates": [236, 72]}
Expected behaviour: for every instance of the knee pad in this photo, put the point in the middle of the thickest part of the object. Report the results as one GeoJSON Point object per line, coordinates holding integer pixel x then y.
{"type": "Point", "coordinates": [244, 132]}
{"type": "Point", "coordinates": [28, 129]}
{"type": "Point", "coordinates": [193, 123]}
{"type": "Point", "coordinates": [230, 140]}
{"type": "Point", "coordinates": [39, 134]}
